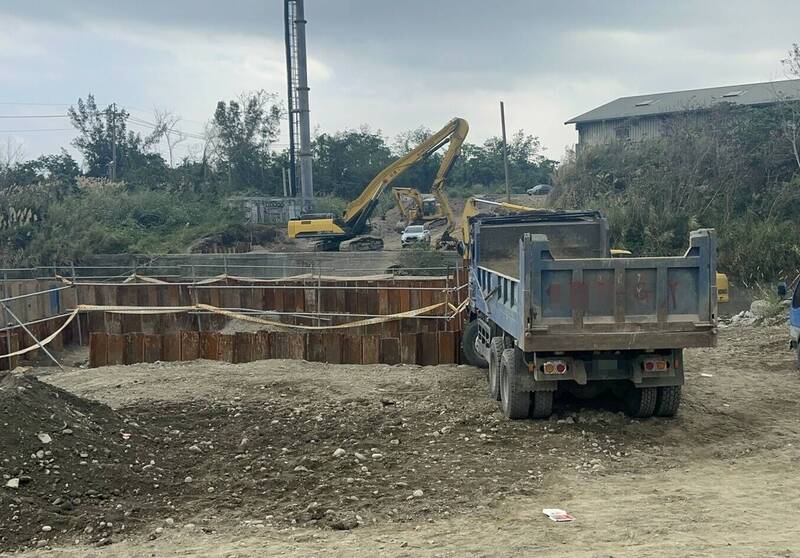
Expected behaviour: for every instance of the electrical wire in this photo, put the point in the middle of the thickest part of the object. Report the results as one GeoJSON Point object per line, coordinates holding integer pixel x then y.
{"type": "Point", "coordinates": [132, 119]}
{"type": "Point", "coordinates": [33, 115]}
{"type": "Point", "coordinates": [37, 130]}
{"type": "Point", "coordinates": [11, 103]}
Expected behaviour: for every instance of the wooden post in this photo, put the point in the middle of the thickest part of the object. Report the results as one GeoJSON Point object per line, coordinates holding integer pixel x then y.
{"type": "Point", "coordinates": [505, 150]}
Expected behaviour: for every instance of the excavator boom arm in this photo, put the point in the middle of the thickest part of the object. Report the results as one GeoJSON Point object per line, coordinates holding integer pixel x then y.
{"type": "Point", "coordinates": [472, 208]}
{"type": "Point", "coordinates": [359, 210]}
{"type": "Point", "coordinates": [449, 159]}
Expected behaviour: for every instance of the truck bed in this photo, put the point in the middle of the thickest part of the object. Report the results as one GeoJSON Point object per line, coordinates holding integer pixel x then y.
{"type": "Point", "coordinates": [552, 303]}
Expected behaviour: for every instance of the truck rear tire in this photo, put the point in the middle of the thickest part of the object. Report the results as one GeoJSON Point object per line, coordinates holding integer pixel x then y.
{"type": "Point", "coordinates": [641, 402]}
{"type": "Point", "coordinates": [493, 374]}
{"type": "Point", "coordinates": [668, 401]}
{"type": "Point", "coordinates": [541, 404]}
{"type": "Point", "coordinates": [468, 341]}
{"type": "Point", "coordinates": [514, 403]}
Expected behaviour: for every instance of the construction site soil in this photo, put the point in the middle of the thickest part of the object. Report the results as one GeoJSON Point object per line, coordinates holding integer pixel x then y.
{"type": "Point", "coordinates": [302, 459]}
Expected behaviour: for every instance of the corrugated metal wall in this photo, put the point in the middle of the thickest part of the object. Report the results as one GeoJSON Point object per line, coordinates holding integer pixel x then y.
{"type": "Point", "coordinates": [632, 129]}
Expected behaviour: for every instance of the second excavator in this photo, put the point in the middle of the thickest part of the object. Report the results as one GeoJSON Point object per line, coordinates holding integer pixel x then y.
{"type": "Point", "coordinates": [349, 232]}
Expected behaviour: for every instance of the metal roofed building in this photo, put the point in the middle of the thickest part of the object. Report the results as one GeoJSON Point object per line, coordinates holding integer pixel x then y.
{"type": "Point", "coordinates": [642, 117]}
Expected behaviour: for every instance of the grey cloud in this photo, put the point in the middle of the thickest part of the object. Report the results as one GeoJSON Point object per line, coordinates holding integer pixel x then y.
{"type": "Point", "coordinates": [426, 56]}
{"type": "Point", "coordinates": [454, 36]}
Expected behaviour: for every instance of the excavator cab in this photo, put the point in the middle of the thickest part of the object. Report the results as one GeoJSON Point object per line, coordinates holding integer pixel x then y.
{"type": "Point", "coordinates": [417, 208]}
{"type": "Point", "coordinates": [430, 206]}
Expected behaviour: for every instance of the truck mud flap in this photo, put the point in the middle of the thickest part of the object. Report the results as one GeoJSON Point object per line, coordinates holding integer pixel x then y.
{"type": "Point", "coordinates": [485, 336]}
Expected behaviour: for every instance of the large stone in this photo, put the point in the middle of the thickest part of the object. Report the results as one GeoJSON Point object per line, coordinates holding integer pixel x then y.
{"type": "Point", "coordinates": [761, 308]}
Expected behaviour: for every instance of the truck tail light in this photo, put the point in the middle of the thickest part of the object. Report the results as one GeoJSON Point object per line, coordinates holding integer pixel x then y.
{"type": "Point", "coordinates": [554, 367]}
{"type": "Point", "coordinates": [659, 365]}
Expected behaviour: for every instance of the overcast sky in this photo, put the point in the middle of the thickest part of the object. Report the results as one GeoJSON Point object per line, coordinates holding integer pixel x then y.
{"type": "Point", "coordinates": [394, 65]}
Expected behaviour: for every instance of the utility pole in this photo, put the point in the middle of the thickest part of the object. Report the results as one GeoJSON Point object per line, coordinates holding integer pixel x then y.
{"type": "Point", "coordinates": [505, 150]}
{"type": "Point", "coordinates": [113, 142]}
{"type": "Point", "coordinates": [297, 66]}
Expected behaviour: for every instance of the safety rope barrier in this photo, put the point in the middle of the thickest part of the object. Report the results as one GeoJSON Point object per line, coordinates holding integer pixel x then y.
{"type": "Point", "coordinates": [46, 340]}
{"type": "Point", "coordinates": [220, 311]}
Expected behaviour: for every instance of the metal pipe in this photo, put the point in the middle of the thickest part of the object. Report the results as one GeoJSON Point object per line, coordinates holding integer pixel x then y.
{"type": "Point", "coordinates": [289, 96]}
{"type": "Point", "coordinates": [304, 111]}
{"type": "Point", "coordinates": [77, 303]}
{"type": "Point", "coordinates": [28, 295]}
{"type": "Point", "coordinates": [325, 287]}
{"type": "Point", "coordinates": [272, 286]}
{"type": "Point", "coordinates": [10, 327]}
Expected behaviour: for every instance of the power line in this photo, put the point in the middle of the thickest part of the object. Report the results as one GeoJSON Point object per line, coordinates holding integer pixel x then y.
{"type": "Point", "coordinates": [151, 125]}
{"type": "Point", "coordinates": [10, 103]}
{"type": "Point", "coordinates": [33, 115]}
{"type": "Point", "coordinates": [132, 119]}
{"type": "Point", "coordinates": [37, 130]}
{"type": "Point", "coordinates": [148, 112]}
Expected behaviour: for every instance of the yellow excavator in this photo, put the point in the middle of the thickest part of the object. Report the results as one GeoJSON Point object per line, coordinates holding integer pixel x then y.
{"type": "Point", "coordinates": [417, 208]}
{"type": "Point", "coordinates": [348, 233]}
{"type": "Point", "coordinates": [472, 208]}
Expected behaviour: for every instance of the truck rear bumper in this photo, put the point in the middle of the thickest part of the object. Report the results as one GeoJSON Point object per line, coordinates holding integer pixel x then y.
{"type": "Point", "coordinates": [616, 341]}
{"type": "Point", "coordinates": [582, 369]}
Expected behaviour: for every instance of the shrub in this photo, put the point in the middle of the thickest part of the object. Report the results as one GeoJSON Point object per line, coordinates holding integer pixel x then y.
{"type": "Point", "coordinates": [732, 171]}
{"type": "Point", "coordinates": [111, 219]}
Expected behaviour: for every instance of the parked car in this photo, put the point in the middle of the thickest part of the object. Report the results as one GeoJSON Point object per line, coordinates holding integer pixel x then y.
{"type": "Point", "coordinates": [540, 190]}
{"type": "Point", "coordinates": [415, 233]}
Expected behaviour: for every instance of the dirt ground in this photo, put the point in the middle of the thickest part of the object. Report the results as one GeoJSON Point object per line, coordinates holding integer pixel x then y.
{"type": "Point", "coordinates": [243, 464]}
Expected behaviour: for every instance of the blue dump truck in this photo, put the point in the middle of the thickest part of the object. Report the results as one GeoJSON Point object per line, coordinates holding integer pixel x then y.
{"type": "Point", "coordinates": [551, 310]}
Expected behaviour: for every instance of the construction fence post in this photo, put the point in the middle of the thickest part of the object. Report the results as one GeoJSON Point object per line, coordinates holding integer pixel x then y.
{"type": "Point", "coordinates": [6, 323]}
{"type": "Point", "coordinates": [77, 303]}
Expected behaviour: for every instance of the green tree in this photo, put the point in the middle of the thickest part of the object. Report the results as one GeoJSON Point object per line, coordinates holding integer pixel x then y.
{"type": "Point", "coordinates": [244, 129]}
{"type": "Point", "coordinates": [104, 133]}
{"type": "Point", "coordinates": [422, 174]}
{"type": "Point", "coordinates": [345, 162]}
{"type": "Point", "coordinates": [732, 170]}
{"type": "Point", "coordinates": [483, 164]}
{"type": "Point", "coordinates": [61, 169]}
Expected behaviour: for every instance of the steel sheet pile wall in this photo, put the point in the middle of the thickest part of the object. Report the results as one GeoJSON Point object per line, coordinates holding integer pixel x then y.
{"type": "Point", "coordinates": [43, 306]}
{"type": "Point", "coordinates": [129, 338]}
{"type": "Point", "coordinates": [18, 339]}
{"type": "Point", "coordinates": [426, 348]}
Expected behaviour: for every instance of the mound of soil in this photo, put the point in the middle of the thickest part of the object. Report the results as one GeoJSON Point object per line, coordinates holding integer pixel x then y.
{"type": "Point", "coordinates": [64, 462]}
